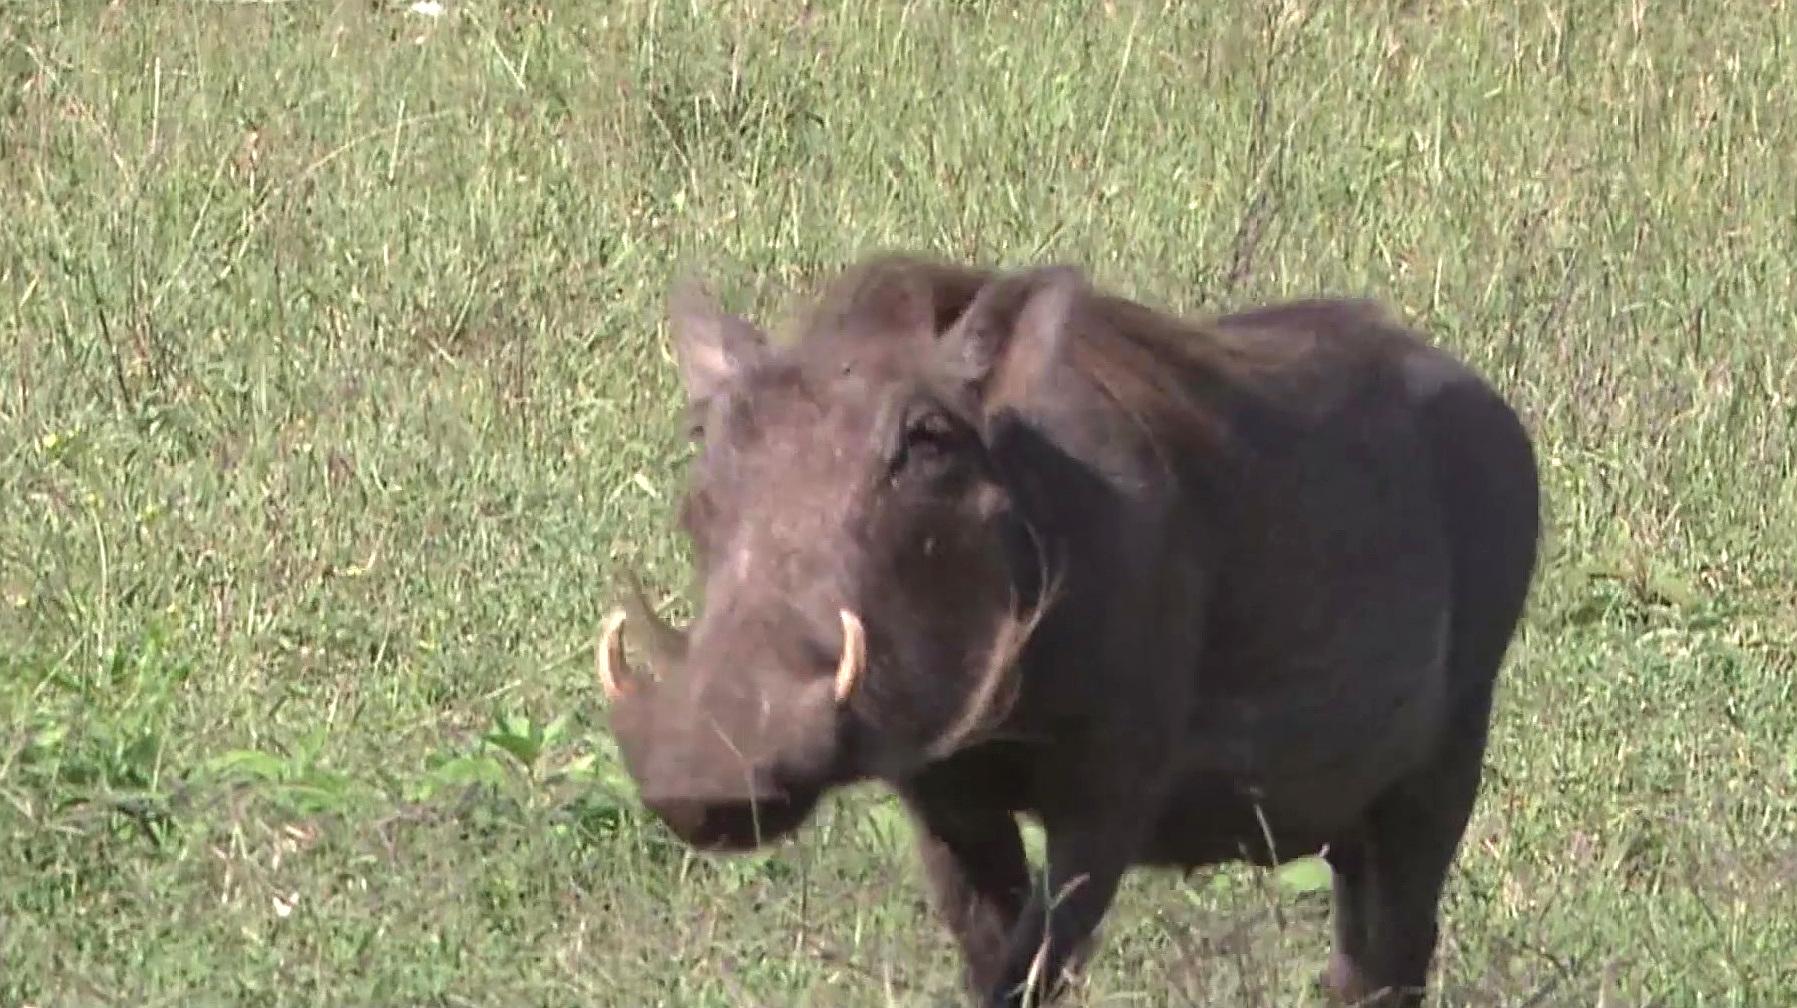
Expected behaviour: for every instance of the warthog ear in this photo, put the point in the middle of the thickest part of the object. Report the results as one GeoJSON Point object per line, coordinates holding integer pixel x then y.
{"type": "Point", "coordinates": [711, 345]}
{"type": "Point", "coordinates": [1013, 331]}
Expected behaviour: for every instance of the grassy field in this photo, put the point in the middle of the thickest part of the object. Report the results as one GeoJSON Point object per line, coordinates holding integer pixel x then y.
{"type": "Point", "coordinates": [333, 391]}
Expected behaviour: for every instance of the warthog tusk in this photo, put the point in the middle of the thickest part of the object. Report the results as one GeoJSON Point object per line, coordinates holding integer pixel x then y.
{"type": "Point", "coordinates": [854, 655]}
{"type": "Point", "coordinates": [610, 655]}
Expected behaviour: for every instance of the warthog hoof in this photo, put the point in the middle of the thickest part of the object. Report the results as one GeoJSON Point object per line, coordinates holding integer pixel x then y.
{"type": "Point", "coordinates": [1346, 985]}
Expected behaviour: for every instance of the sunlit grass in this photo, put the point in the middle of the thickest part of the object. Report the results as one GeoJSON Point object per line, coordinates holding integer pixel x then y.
{"type": "Point", "coordinates": [332, 385]}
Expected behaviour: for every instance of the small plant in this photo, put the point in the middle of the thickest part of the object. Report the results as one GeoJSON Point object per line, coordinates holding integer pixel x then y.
{"type": "Point", "coordinates": [524, 740]}
{"type": "Point", "coordinates": [298, 782]}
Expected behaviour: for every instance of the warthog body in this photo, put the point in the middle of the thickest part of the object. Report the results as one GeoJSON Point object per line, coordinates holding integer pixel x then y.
{"type": "Point", "coordinates": [1183, 591]}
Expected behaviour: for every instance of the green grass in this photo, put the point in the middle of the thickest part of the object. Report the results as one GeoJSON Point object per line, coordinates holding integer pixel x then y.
{"type": "Point", "coordinates": [333, 390]}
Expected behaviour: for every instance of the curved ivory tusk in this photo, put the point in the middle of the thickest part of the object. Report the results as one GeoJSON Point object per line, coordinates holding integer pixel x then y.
{"type": "Point", "coordinates": [854, 655]}
{"type": "Point", "coordinates": [610, 655]}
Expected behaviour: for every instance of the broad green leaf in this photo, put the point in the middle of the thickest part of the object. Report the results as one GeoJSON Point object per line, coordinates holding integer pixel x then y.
{"type": "Point", "coordinates": [1304, 875]}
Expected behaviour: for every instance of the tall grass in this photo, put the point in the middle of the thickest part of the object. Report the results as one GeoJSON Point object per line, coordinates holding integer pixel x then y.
{"type": "Point", "coordinates": [333, 386]}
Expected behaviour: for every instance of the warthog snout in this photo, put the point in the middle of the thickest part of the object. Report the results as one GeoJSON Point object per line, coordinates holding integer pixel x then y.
{"type": "Point", "coordinates": [727, 761]}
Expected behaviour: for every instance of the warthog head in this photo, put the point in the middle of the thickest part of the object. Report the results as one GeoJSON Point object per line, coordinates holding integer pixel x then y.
{"type": "Point", "coordinates": [867, 578]}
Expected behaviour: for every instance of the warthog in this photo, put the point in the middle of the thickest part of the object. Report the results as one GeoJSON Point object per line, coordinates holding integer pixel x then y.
{"type": "Point", "coordinates": [1183, 591]}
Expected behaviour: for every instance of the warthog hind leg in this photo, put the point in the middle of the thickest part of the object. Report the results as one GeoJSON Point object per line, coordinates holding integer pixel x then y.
{"type": "Point", "coordinates": [1389, 881]}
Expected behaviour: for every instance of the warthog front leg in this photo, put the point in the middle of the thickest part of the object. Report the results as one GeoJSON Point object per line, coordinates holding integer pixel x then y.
{"type": "Point", "coordinates": [1085, 864]}
{"type": "Point", "coordinates": [978, 874]}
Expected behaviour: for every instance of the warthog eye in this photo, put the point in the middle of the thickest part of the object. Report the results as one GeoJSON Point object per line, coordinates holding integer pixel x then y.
{"type": "Point", "coordinates": [694, 417]}
{"type": "Point", "coordinates": [929, 439]}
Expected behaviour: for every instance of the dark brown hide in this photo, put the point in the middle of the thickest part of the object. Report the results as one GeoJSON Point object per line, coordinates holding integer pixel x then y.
{"type": "Point", "coordinates": [1288, 549]}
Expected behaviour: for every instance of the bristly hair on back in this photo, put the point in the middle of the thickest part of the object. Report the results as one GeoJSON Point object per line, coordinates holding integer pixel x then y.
{"type": "Point", "coordinates": [1161, 370]}
{"type": "Point", "coordinates": [856, 297]}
